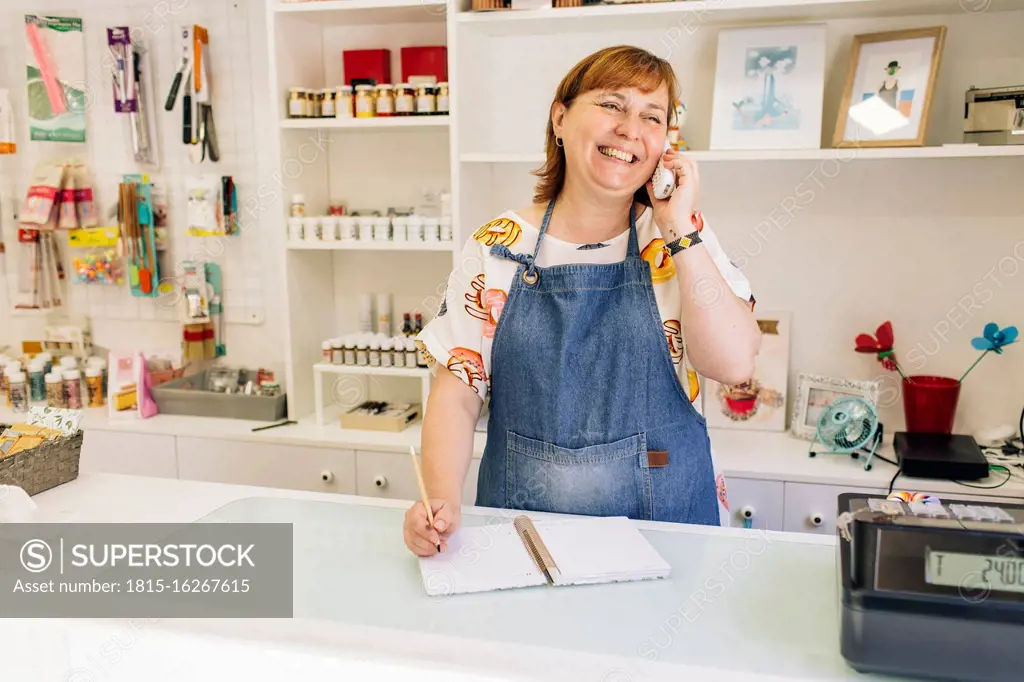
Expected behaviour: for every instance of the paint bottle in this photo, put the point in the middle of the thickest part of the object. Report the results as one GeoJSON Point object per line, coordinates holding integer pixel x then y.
{"type": "Point", "coordinates": [94, 385]}
{"type": "Point", "coordinates": [37, 380]}
{"type": "Point", "coordinates": [72, 389]}
{"type": "Point", "coordinates": [18, 391]}
{"type": "Point", "coordinates": [54, 390]}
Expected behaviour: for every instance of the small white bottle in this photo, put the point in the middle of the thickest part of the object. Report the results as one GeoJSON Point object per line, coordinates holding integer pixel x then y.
{"type": "Point", "coordinates": [337, 352]}
{"type": "Point", "coordinates": [399, 345]}
{"type": "Point", "coordinates": [362, 352]}
{"type": "Point", "coordinates": [17, 391]}
{"type": "Point", "coordinates": [375, 352]}
{"type": "Point", "coordinates": [386, 357]}
{"type": "Point", "coordinates": [350, 350]}
{"type": "Point", "coordinates": [327, 352]}
{"type": "Point", "coordinates": [411, 354]}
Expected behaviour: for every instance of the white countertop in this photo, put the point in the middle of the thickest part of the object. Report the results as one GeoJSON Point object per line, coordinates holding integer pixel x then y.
{"type": "Point", "coordinates": [761, 455]}
{"type": "Point", "coordinates": [360, 609]}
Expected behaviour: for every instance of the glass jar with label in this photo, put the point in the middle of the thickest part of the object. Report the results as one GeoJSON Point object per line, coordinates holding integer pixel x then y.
{"type": "Point", "coordinates": [343, 105]}
{"type": "Point", "coordinates": [364, 101]}
{"type": "Point", "coordinates": [426, 100]}
{"type": "Point", "coordinates": [381, 229]}
{"type": "Point", "coordinates": [443, 103]}
{"type": "Point", "coordinates": [405, 100]}
{"type": "Point", "coordinates": [347, 228]}
{"type": "Point", "coordinates": [385, 102]}
{"type": "Point", "coordinates": [327, 103]}
{"type": "Point", "coordinates": [310, 98]}
{"type": "Point", "coordinates": [296, 103]}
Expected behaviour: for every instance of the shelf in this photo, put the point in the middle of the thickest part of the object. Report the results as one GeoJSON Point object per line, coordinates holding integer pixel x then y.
{"type": "Point", "coordinates": [350, 12]}
{"type": "Point", "coordinates": [842, 155]}
{"type": "Point", "coordinates": [687, 16]}
{"type": "Point", "coordinates": [414, 372]}
{"type": "Point", "coordinates": [382, 123]}
{"type": "Point", "coordinates": [371, 246]}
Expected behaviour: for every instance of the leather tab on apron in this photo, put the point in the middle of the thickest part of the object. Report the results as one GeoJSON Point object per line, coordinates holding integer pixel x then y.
{"type": "Point", "coordinates": [657, 458]}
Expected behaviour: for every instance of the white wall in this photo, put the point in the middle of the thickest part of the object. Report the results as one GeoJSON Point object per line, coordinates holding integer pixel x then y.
{"type": "Point", "coordinates": [934, 245]}
{"type": "Point", "coordinates": [252, 298]}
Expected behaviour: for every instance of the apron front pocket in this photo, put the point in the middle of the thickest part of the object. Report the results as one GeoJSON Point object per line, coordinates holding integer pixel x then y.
{"type": "Point", "coordinates": [608, 479]}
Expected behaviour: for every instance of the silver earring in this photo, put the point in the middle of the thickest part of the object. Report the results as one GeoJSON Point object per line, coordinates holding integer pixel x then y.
{"type": "Point", "coordinates": [558, 142]}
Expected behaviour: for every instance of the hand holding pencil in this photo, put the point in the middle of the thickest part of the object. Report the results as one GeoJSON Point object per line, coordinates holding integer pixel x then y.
{"type": "Point", "coordinates": [429, 522]}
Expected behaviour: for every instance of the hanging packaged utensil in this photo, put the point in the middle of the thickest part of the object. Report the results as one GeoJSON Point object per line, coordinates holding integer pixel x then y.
{"type": "Point", "coordinates": [183, 64]}
{"type": "Point", "coordinates": [120, 45]}
{"type": "Point", "coordinates": [142, 126]}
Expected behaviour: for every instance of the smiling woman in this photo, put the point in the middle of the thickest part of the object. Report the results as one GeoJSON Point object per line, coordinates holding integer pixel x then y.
{"type": "Point", "coordinates": [586, 318]}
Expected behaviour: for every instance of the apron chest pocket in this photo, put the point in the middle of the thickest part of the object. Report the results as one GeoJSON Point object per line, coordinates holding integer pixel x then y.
{"type": "Point", "coordinates": [609, 479]}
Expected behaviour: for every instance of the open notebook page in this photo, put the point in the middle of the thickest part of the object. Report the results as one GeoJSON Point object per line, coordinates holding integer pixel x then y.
{"type": "Point", "coordinates": [479, 559]}
{"type": "Point", "coordinates": [598, 550]}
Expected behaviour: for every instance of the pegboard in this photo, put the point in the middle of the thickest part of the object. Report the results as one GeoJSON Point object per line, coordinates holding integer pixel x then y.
{"type": "Point", "coordinates": [108, 151]}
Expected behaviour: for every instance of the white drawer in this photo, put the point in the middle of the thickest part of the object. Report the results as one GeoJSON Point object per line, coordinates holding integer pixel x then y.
{"type": "Point", "coordinates": [755, 500]}
{"type": "Point", "coordinates": [390, 475]}
{"type": "Point", "coordinates": [134, 454]}
{"type": "Point", "coordinates": [811, 508]}
{"type": "Point", "coordinates": [265, 464]}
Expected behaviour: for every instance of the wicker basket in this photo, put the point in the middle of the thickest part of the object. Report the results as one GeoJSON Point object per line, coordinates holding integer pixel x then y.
{"type": "Point", "coordinates": [43, 467]}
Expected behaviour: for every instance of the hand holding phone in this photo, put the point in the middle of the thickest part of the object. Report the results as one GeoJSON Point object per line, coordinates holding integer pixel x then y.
{"type": "Point", "coordinates": [664, 179]}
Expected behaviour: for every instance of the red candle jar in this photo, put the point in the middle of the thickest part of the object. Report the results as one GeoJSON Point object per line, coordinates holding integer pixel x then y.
{"type": "Point", "coordinates": [929, 403]}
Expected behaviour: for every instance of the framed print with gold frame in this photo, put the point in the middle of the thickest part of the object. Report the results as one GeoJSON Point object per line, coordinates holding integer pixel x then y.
{"type": "Point", "coordinates": [889, 87]}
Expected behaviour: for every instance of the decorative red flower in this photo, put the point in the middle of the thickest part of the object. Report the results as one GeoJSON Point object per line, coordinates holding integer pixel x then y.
{"type": "Point", "coordinates": [880, 345]}
{"type": "Point", "coordinates": [882, 342]}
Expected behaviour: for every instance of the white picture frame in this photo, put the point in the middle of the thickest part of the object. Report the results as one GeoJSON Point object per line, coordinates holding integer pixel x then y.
{"type": "Point", "coordinates": [815, 391]}
{"type": "Point", "coordinates": [769, 88]}
{"type": "Point", "coordinates": [758, 404]}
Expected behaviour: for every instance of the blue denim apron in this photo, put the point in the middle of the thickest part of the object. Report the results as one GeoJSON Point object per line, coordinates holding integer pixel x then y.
{"type": "Point", "coordinates": [587, 413]}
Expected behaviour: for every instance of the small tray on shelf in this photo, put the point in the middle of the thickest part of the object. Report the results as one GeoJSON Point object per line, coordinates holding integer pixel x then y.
{"type": "Point", "coordinates": [189, 396]}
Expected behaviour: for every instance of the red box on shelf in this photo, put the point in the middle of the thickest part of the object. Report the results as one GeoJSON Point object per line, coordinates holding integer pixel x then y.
{"type": "Point", "coordinates": [362, 64]}
{"type": "Point", "coordinates": [431, 60]}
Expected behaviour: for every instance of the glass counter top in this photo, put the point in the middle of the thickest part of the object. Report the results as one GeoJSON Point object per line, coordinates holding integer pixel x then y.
{"type": "Point", "coordinates": [750, 602]}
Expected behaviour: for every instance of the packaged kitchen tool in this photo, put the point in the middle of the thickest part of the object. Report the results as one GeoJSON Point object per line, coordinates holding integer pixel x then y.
{"type": "Point", "coordinates": [56, 64]}
{"type": "Point", "coordinates": [380, 416]}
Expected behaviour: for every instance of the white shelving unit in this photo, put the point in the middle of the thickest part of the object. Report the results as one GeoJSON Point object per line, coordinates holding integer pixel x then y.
{"type": "Point", "coordinates": [365, 124]}
{"type": "Point", "coordinates": [843, 154]}
{"type": "Point", "coordinates": [442, 247]}
{"type": "Point", "coordinates": [503, 68]}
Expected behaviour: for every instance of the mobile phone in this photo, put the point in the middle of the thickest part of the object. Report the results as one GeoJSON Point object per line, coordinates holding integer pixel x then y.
{"type": "Point", "coordinates": [664, 179]}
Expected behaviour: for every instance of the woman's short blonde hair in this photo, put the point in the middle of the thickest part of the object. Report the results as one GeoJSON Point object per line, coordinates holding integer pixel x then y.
{"type": "Point", "coordinates": [622, 66]}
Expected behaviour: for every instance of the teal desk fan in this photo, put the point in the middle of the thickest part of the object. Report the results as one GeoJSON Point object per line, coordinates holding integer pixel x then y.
{"type": "Point", "coordinates": [846, 427]}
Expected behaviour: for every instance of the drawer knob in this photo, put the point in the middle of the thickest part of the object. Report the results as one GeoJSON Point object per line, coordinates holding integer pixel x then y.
{"type": "Point", "coordinates": [326, 476]}
{"type": "Point", "coordinates": [380, 481]}
{"type": "Point", "coordinates": [816, 519]}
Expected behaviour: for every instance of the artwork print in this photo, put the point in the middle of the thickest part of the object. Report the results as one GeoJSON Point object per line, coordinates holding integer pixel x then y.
{"type": "Point", "coordinates": [769, 103]}
{"type": "Point", "coordinates": [769, 88]}
{"type": "Point", "coordinates": [760, 403]}
{"type": "Point", "coordinates": [889, 88]}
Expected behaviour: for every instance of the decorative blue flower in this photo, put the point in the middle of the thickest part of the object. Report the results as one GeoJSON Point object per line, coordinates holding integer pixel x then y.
{"type": "Point", "coordinates": [995, 338]}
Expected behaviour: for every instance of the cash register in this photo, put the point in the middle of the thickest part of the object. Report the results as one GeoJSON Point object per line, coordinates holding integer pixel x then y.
{"type": "Point", "coordinates": [932, 589]}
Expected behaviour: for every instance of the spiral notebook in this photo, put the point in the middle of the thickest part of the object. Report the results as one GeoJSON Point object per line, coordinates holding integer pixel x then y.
{"type": "Point", "coordinates": [530, 553]}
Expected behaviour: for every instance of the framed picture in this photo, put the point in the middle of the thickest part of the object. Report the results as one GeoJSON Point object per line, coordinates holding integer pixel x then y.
{"type": "Point", "coordinates": [769, 85]}
{"type": "Point", "coordinates": [758, 404]}
{"type": "Point", "coordinates": [814, 393]}
{"type": "Point", "coordinates": [889, 88]}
